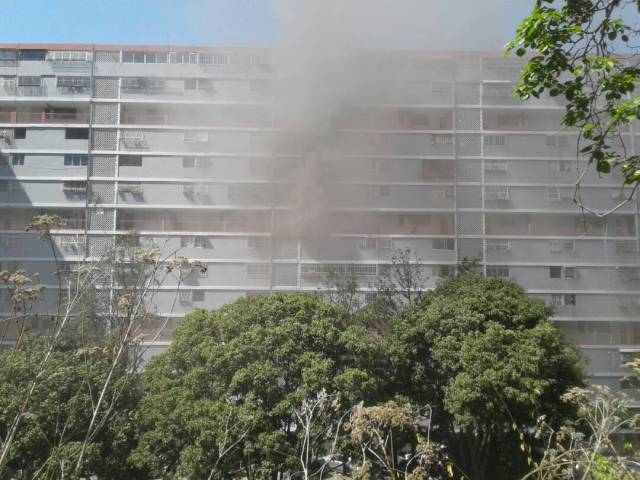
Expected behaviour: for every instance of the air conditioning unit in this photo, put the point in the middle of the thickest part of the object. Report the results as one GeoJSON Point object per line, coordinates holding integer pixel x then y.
{"type": "Point", "coordinates": [133, 188]}
{"type": "Point", "coordinates": [74, 187]}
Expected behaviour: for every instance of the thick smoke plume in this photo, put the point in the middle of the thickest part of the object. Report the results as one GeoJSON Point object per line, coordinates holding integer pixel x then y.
{"type": "Point", "coordinates": [328, 58]}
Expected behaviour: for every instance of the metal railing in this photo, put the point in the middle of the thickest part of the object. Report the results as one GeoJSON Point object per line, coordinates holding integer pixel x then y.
{"type": "Point", "coordinates": [44, 117]}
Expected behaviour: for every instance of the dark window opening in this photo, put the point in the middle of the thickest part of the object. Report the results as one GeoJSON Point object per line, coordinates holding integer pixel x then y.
{"type": "Point", "coordinates": [20, 133]}
{"type": "Point", "coordinates": [33, 55]}
{"type": "Point", "coordinates": [76, 133]}
{"type": "Point", "coordinates": [130, 161]}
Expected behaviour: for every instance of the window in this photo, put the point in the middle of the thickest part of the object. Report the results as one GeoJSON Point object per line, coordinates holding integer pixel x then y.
{"type": "Point", "coordinates": [76, 133]}
{"type": "Point", "coordinates": [625, 247]}
{"type": "Point", "coordinates": [130, 161]}
{"type": "Point", "coordinates": [17, 159]}
{"type": "Point", "coordinates": [182, 57]}
{"type": "Point", "coordinates": [441, 139]}
{"type": "Point", "coordinates": [75, 160]}
{"type": "Point", "coordinates": [134, 188]}
{"type": "Point", "coordinates": [144, 57]}
{"type": "Point", "coordinates": [553, 194]}
{"type": "Point", "coordinates": [629, 273]}
{"type": "Point", "coordinates": [495, 166]}
{"type": "Point", "coordinates": [143, 83]}
{"type": "Point", "coordinates": [29, 81]}
{"type": "Point", "coordinates": [569, 273]}
{"type": "Point", "coordinates": [257, 270]}
{"type": "Point", "coordinates": [373, 191]}
{"type": "Point", "coordinates": [496, 193]}
{"type": "Point", "coordinates": [511, 120]}
{"type": "Point", "coordinates": [384, 243]}
{"type": "Point", "coordinates": [556, 141]}
{"type": "Point", "coordinates": [197, 295]}
{"type": "Point", "coordinates": [495, 140]}
{"type": "Point", "coordinates": [562, 246]}
{"type": "Point", "coordinates": [188, 162]}
{"type": "Point", "coordinates": [196, 137]}
{"type": "Point", "coordinates": [201, 242]}
{"type": "Point", "coordinates": [444, 191]}
{"type": "Point", "coordinates": [497, 89]}
{"type": "Point", "coordinates": [559, 299]}
{"type": "Point", "coordinates": [498, 245]}
{"type": "Point", "coordinates": [213, 59]}
{"type": "Point", "coordinates": [495, 271]}
{"type": "Point", "coordinates": [190, 83]}
{"type": "Point", "coordinates": [444, 270]}
{"type": "Point", "coordinates": [187, 242]}
{"type": "Point", "coordinates": [33, 55]}
{"type": "Point", "coordinates": [69, 56]}
{"type": "Point", "coordinates": [202, 162]}
{"type": "Point", "coordinates": [443, 244]}
{"type": "Point", "coordinates": [74, 187]}
{"type": "Point", "coordinates": [78, 82]}
{"type": "Point", "coordinates": [560, 166]}
{"type": "Point", "coordinates": [555, 272]}
{"type": "Point", "coordinates": [630, 382]}
{"type": "Point", "coordinates": [19, 133]}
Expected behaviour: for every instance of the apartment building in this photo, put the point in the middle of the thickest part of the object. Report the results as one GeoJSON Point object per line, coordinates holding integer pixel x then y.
{"type": "Point", "coordinates": [187, 147]}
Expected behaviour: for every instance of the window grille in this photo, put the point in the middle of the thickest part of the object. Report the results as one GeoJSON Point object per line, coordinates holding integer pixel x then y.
{"type": "Point", "coordinates": [498, 271]}
{"type": "Point", "coordinates": [74, 187]}
{"type": "Point", "coordinates": [498, 245]}
{"type": "Point", "coordinates": [495, 166]}
{"type": "Point", "coordinates": [496, 193]}
{"type": "Point", "coordinates": [495, 140]}
{"type": "Point", "coordinates": [443, 244]}
{"type": "Point", "coordinates": [441, 139]}
{"type": "Point", "coordinates": [258, 270]}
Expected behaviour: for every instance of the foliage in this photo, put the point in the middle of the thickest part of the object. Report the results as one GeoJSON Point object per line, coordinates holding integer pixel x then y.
{"type": "Point", "coordinates": [56, 419]}
{"type": "Point", "coordinates": [394, 441]}
{"type": "Point", "coordinates": [485, 357]}
{"type": "Point", "coordinates": [585, 447]}
{"type": "Point", "coordinates": [572, 46]}
{"type": "Point", "coordinates": [261, 358]}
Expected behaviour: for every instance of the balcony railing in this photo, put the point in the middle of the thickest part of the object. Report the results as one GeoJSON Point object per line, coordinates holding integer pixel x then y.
{"type": "Point", "coordinates": [44, 117]}
{"type": "Point", "coordinates": [73, 90]}
{"type": "Point", "coordinates": [169, 225]}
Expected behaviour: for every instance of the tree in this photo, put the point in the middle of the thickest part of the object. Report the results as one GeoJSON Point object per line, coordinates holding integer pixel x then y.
{"type": "Point", "coordinates": [572, 46]}
{"type": "Point", "coordinates": [53, 428]}
{"type": "Point", "coordinates": [265, 356]}
{"type": "Point", "coordinates": [585, 447]}
{"type": "Point", "coordinates": [395, 441]}
{"type": "Point", "coordinates": [487, 359]}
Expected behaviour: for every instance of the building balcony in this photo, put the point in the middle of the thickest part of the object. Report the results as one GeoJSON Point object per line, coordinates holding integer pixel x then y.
{"type": "Point", "coordinates": [44, 117]}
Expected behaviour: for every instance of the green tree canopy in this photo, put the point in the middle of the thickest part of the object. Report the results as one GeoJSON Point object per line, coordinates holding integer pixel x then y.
{"type": "Point", "coordinates": [222, 398]}
{"type": "Point", "coordinates": [489, 362]}
{"type": "Point", "coordinates": [52, 430]}
{"type": "Point", "coordinates": [571, 52]}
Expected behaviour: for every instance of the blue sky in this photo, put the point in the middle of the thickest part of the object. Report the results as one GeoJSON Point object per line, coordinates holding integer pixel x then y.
{"type": "Point", "coordinates": [176, 22]}
{"type": "Point", "coordinates": [234, 22]}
